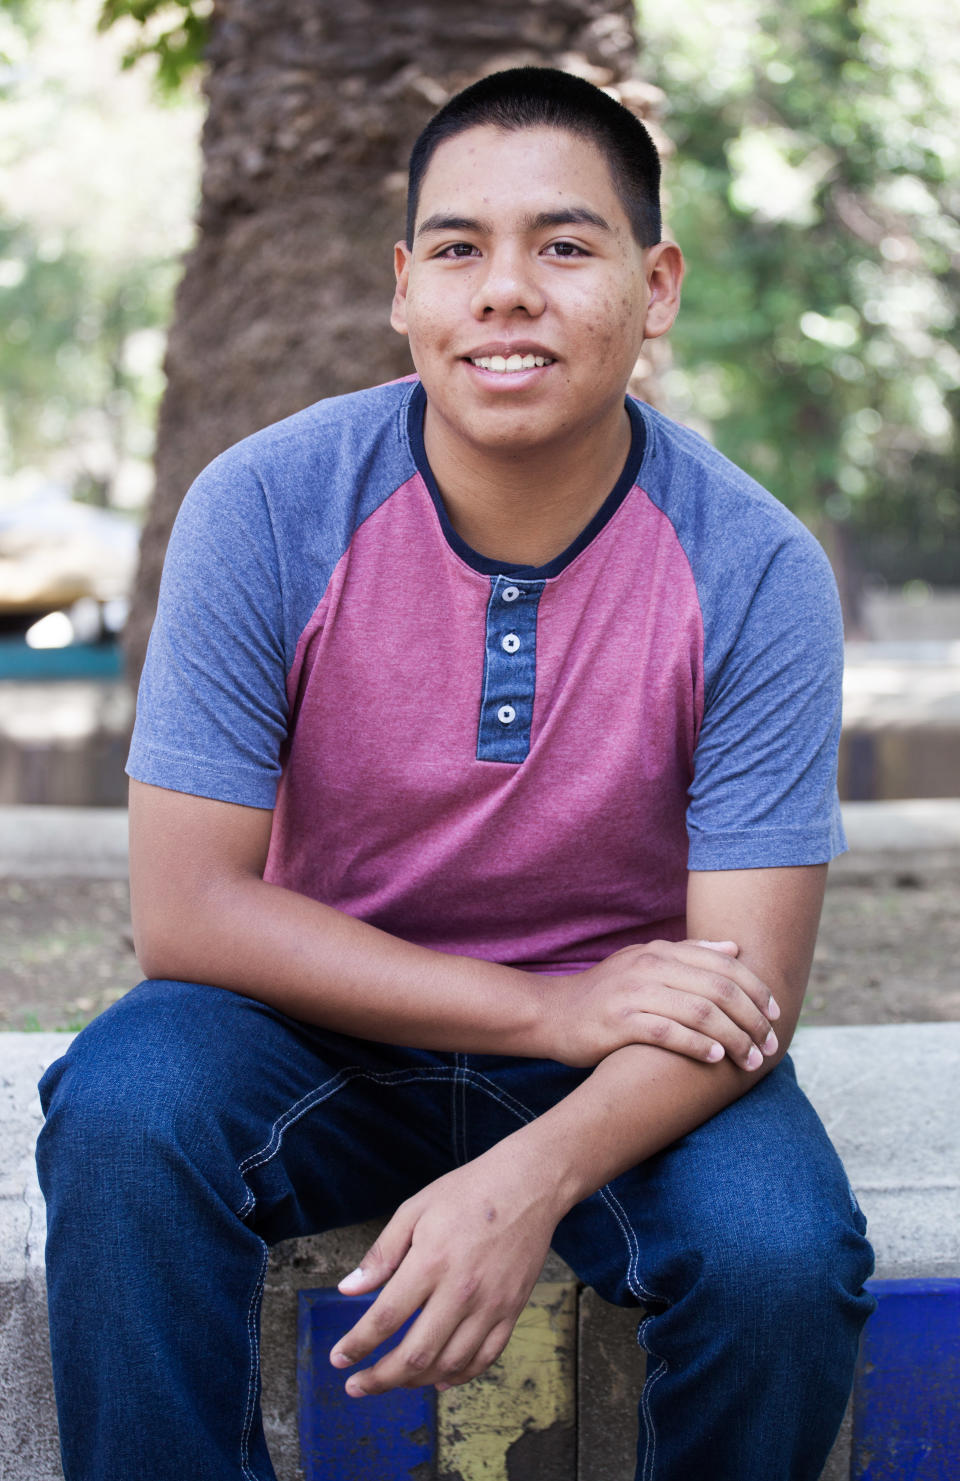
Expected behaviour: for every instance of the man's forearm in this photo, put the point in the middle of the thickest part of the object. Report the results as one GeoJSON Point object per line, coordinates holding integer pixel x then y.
{"type": "Point", "coordinates": [321, 966]}
{"type": "Point", "coordinates": [642, 1098]}
{"type": "Point", "coordinates": [639, 1100]}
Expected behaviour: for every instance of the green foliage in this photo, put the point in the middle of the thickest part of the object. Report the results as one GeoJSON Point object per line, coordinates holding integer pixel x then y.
{"type": "Point", "coordinates": [98, 182]}
{"type": "Point", "coordinates": [814, 193]}
{"type": "Point", "coordinates": [21, 12]}
{"type": "Point", "coordinates": [174, 33]}
{"type": "Point", "coordinates": [17, 17]}
{"type": "Point", "coordinates": [71, 371]}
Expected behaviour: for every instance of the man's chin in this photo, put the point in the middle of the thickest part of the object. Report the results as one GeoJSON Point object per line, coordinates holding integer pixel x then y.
{"type": "Point", "coordinates": [496, 425]}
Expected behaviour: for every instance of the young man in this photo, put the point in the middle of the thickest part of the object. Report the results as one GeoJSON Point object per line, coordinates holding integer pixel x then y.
{"type": "Point", "coordinates": [483, 788]}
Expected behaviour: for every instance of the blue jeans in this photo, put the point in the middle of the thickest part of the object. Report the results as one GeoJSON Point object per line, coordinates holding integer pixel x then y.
{"type": "Point", "coordinates": [188, 1129]}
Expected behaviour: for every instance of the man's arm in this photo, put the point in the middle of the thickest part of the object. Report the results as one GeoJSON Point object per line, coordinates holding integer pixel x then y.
{"type": "Point", "coordinates": [468, 1248]}
{"type": "Point", "coordinates": [203, 913]}
{"type": "Point", "coordinates": [773, 915]}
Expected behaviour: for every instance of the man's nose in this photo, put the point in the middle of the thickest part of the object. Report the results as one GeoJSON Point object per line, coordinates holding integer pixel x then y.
{"type": "Point", "coordinates": [509, 284]}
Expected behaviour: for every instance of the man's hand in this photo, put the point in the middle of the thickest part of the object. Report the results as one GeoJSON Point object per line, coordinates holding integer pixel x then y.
{"type": "Point", "coordinates": [466, 1251]}
{"type": "Point", "coordinates": [693, 997]}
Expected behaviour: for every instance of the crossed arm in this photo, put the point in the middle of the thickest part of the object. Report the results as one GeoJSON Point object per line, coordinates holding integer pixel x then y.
{"type": "Point", "coordinates": [672, 1033]}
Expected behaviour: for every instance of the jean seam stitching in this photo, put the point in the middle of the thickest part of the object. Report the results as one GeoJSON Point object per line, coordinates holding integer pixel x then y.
{"type": "Point", "coordinates": [633, 1277]}
{"type": "Point", "coordinates": [648, 1424]}
{"type": "Point", "coordinates": [639, 1289]}
{"type": "Point", "coordinates": [464, 1143]}
{"type": "Point", "coordinates": [459, 1110]}
{"type": "Point", "coordinates": [314, 1098]}
{"type": "Point", "coordinates": [508, 1101]}
{"type": "Point", "coordinates": [254, 1344]}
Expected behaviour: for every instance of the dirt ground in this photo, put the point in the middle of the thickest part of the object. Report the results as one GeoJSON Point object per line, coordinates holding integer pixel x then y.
{"type": "Point", "coordinates": [888, 952]}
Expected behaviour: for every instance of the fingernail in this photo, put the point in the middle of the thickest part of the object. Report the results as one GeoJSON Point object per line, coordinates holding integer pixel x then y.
{"type": "Point", "coordinates": [352, 1387]}
{"type": "Point", "coordinates": [715, 1052]}
{"type": "Point", "coordinates": [773, 1008]}
{"type": "Point", "coordinates": [770, 1045]}
{"type": "Point", "coordinates": [339, 1359]}
{"type": "Point", "coordinates": [355, 1278]}
{"type": "Point", "coordinates": [754, 1058]}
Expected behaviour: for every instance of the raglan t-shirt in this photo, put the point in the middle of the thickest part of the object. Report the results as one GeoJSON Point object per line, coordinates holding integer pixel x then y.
{"type": "Point", "coordinates": [509, 762]}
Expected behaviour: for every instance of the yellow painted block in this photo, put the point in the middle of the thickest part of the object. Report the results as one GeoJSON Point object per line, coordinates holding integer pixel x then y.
{"type": "Point", "coordinates": [517, 1420]}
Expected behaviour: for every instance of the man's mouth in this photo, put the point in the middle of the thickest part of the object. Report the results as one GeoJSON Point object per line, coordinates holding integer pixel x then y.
{"type": "Point", "coordinates": [509, 364]}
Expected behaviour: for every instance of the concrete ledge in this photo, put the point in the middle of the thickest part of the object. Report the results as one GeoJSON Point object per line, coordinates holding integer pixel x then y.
{"type": "Point", "coordinates": [918, 836]}
{"type": "Point", "coordinates": [42, 841]}
{"type": "Point", "coordinates": [916, 823]}
{"type": "Point", "coordinates": [887, 1095]}
{"type": "Point", "coordinates": [28, 1424]}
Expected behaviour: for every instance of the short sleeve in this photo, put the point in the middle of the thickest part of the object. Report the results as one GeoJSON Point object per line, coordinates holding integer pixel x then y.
{"type": "Point", "coordinates": [212, 707]}
{"type": "Point", "coordinates": [764, 787]}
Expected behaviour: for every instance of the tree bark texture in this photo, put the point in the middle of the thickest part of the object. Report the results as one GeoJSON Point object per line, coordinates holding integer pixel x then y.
{"type": "Point", "coordinates": [313, 107]}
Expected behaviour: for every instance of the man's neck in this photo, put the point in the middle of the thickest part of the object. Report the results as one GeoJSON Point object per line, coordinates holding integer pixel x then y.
{"type": "Point", "coordinates": [526, 508]}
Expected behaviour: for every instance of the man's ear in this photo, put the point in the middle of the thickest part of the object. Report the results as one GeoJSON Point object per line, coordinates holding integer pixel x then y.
{"type": "Point", "coordinates": [663, 265]}
{"type": "Point", "coordinates": [401, 266]}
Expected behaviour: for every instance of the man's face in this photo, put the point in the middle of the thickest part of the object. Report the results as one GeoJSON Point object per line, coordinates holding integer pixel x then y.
{"type": "Point", "coordinates": [525, 296]}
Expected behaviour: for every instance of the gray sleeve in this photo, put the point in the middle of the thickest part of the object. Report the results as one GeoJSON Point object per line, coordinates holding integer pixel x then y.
{"type": "Point", "coordinates": [212, 707]}
{"type": "Point", "coordinates": [764, 787]}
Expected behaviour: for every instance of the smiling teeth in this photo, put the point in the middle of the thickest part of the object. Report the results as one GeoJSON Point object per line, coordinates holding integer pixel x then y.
{"type": "Point", "coordinates": [508, 366]}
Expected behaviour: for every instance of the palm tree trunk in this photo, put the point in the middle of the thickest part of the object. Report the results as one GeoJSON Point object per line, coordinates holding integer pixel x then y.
{"type": "Point", "coordinates": [313, 106]}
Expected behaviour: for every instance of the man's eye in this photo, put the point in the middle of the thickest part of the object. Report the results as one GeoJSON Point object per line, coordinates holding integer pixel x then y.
{"type": "Point", "coordinates": [458, 249]}
{"type": "Point", "coordinates": [565, 249]}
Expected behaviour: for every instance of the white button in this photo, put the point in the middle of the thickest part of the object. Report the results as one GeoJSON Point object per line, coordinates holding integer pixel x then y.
{"type": "Point", "coordinates": [506, 714]}
{"type": "Point", "coordinates": [510, 593]}
{"type": "Point", "coordinates": [510, 643]}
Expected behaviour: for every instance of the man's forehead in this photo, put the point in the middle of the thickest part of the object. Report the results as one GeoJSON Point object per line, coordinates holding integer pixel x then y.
{"type": "Point", "coordinates": [545, 173]}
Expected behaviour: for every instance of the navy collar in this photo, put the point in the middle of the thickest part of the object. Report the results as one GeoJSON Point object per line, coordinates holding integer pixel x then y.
{"type": "Point", "coordinates": [483, 563]}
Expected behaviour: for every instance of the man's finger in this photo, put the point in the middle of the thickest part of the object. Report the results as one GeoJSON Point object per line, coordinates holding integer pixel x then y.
{"type": "Point", "coordinates": [442, 1347]}
{"type": "Point", "coordinates": [381, 1320]}
{"type": "Point", "coordinates": [487, 1353]}
{"type": "Point", "coordinates": [710, 1002]}
{"type": "Point", "coordinates": [388, 1313]}
{"type": "Point", "coordinates": [411, 1362]}
{"type": "Point", "coordinates": [755, 988]}
{"type": "Point", "coordinates": [382, 1258]}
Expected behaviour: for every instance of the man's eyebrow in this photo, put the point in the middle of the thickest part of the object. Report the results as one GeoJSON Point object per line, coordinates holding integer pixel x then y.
{"type": "Point", "coordinates": [541, 221]}
{"type": "Point", "coordinates": [452, 223]}
{"type": "Point", "coordinates": [566, 216]}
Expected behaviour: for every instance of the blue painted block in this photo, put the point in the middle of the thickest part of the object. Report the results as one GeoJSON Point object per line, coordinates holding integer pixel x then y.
{"type": "Point", "coordinates": [386, 1437]}
{"type": "Point", "coordinates": [906, 1424]}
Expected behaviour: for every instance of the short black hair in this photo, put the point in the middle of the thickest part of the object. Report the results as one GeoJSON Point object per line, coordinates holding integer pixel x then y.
{"type": "Point", "coordinates": [543, 97]}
